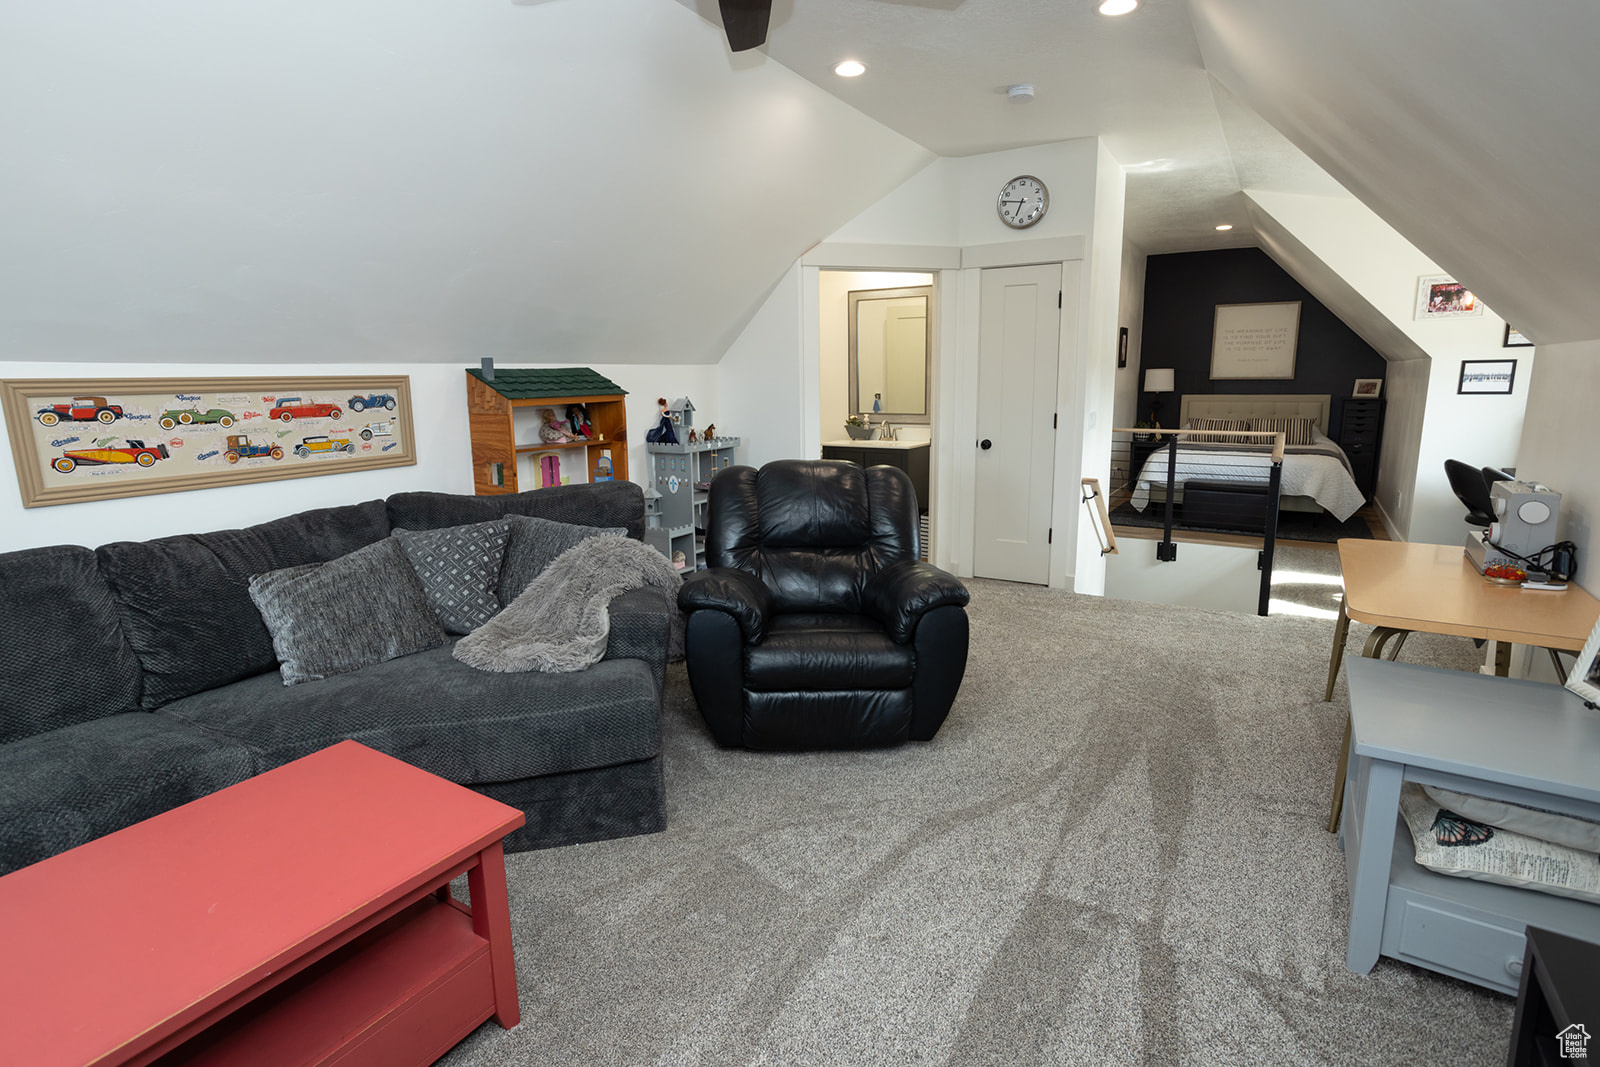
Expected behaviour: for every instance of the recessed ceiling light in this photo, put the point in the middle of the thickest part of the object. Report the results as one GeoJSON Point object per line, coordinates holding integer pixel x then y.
{"type": "Point", "coordinates": [1226, 226]}
{"type": "Point", "coordinates": [850, 68]}
{"type": "Point", "coordinates": [1117, 7]}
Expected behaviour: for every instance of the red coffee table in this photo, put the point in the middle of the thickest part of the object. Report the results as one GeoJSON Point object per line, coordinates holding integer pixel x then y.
{"type": "Point", "coordinates": [300, 917]}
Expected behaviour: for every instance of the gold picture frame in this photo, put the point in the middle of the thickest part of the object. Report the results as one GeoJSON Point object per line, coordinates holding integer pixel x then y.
{"type": "Point", "coordinates": [76, 439]}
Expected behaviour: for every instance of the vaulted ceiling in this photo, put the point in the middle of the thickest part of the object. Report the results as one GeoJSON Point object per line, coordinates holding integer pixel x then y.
{"type": "Point", "coordinates": [602, 181]}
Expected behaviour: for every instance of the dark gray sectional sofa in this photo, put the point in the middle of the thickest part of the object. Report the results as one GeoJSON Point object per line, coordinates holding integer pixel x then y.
{"type": "Point", "coordinates": [140, 676]}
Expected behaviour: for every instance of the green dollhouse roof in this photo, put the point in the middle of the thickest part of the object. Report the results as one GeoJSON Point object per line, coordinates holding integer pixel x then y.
{"type": "Point", "coordinates": [547, 381]}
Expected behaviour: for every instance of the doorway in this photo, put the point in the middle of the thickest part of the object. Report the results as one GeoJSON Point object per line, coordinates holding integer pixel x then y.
{"type": "Point", "coordinates": [898, 390]}
{"type": "Point", "coordinates": [1019, 341]}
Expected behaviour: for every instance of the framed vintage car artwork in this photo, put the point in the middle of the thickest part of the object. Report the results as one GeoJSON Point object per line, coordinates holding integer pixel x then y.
{"type": "Point", "coordinates": [78, 439]}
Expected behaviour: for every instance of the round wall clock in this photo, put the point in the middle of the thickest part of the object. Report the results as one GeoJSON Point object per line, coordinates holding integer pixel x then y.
{"type": "Point", "coordinates": [1023, 202]}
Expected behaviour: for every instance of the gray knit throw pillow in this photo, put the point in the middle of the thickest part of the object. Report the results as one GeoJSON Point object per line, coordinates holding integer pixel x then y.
{"type": "Point", "coordinates": [459, 567]}
{"type": "Point", "coordinates": [351, 612]}
{"type": "Point", "coordinates": [534, 544]}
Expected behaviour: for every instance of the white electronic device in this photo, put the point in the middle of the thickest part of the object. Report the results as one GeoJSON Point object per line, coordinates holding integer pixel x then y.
{"type": "Point", "coordinates": [1525, 522]}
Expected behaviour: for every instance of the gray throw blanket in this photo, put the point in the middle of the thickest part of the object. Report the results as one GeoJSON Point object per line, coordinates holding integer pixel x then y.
{"type": "Point", "coordinates": [561, 621]}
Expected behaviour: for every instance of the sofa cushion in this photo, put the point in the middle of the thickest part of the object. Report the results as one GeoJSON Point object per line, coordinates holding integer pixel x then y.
{"type": "Point", "coordinates": [618, 503]}
{"type": "Point", "coordinates": [534, 544]}
{"type": "Point", "coordinates": [469, 726]}
{"type": "Point", "coordinates": [351, 612]}
{"type": "Point", "coordinates": [185, 601]}
{"type": "Point", "coordinates": [459, 567]}
{"type": "Point", "coordinates": [63, 788]}
{"type": "Point", "coordinates": [64, 657]}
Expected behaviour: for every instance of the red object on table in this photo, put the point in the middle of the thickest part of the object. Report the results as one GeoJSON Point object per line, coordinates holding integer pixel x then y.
{"type": "Point", "coordinates": [296, 917]}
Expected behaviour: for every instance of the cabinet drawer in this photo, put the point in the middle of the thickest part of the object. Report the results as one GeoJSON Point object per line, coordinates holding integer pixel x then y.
{"type": "Point", "coordinates": [1486, 952]}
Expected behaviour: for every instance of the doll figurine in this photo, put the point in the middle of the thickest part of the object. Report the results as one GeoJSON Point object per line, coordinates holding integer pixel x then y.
{"type": "Point", "coordinates": [578, 420]}
{"type": "Point", "coordinates": [550, 430]}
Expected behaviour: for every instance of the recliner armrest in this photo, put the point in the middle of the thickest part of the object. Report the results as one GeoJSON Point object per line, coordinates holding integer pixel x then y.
{"type": "Point", "coordinates": [736, 592]}
{"type": "Point", "coordinates": [900, 594]}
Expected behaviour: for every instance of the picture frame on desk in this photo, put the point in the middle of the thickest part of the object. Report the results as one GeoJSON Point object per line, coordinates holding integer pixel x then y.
{"type": "Point", "coordinates": [1584, 678]}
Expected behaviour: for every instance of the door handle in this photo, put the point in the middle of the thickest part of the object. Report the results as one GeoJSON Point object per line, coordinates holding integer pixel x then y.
{"type": "Point", "coordinates": [985, 444]}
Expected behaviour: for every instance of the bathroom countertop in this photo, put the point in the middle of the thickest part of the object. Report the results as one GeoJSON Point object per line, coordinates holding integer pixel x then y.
{"type": "Point", "coordinates": [848, 443]}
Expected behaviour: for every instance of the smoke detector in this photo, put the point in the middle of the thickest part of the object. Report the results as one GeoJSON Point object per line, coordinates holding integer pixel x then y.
{"type": "Point", "coordinates": [1019, 94]}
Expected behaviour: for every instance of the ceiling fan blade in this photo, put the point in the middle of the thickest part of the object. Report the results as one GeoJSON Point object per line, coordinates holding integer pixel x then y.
{"type": "Point", "coordinates": [745, 22]}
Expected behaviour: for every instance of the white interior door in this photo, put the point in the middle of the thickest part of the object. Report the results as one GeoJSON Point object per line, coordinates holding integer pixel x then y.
{"type": "Point", "coordinates": [1019, 328]}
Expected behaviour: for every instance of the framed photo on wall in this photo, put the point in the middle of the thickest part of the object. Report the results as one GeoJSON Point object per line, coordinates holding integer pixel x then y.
{"type": "Point", "coordinates": [1368, 386]}
{"type": "Point", "coordinates": [1122, 347]}
{"type": "Point", "coordinates": [1494, 377]}
{"type": "Point", "coordinates": [1256, 341]}
{"type": "Point", "coordinates": [1440, 296]}
{"type": "Point", "coordinates": [1514, 339]}
{"type": "Point", "coordinates": [80, 439]}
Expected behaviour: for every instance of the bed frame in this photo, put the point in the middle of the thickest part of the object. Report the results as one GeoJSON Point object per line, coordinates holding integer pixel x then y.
{"type": "Point", "coordinates": [1254, 406]}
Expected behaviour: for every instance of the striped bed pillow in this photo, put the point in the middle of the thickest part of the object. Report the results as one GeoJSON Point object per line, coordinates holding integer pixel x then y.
{"type": "Point", "coordinates": [1221, 424]}
{"type": "Point", "coordinates": [1296, 430]}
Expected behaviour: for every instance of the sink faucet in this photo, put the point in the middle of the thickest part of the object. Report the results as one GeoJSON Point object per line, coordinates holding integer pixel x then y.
{"type": "Point", "coordinates": [885, 431]}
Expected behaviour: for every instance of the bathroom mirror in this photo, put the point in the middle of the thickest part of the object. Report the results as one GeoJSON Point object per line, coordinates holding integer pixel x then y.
{"type": "Point", "coordinates": [891, 334]}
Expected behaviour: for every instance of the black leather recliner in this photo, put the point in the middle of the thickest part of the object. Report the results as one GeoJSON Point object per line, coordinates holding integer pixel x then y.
{"type": "Point", "coordinates": [815, 625]}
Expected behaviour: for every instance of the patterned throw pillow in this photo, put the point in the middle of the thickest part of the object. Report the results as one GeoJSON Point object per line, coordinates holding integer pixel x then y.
{"type": "Point", "coordinates": [459, 567]}
{"type": "Point", "coordinates": [1296, 430]}
{"type": "Point", "coordinates": [1221, 424]}
{"type": "Point", "coordinates": [534, 543]}
{"type": "Point", "coordinates": [351, 612]}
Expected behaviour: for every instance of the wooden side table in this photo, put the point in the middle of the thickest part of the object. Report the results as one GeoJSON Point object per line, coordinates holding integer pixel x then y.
{"type": "Point", "coordinates": [302, 916]}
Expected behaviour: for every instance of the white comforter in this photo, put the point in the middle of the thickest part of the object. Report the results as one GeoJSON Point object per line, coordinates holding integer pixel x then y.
{"type": "Point", "coordinates": [1322, 478]}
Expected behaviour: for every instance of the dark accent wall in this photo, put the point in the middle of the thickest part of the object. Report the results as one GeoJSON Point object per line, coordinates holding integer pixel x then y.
{"type": "Point", "coordinates": [1181, 292]}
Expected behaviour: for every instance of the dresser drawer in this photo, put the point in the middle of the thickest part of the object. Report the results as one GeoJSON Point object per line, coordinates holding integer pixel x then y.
{"type": "Point", "coordinates": [1485, 952]}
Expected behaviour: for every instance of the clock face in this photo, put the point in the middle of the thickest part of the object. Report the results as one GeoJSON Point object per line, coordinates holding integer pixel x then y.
{"type": "Point", "coordinates": [1023, 201]}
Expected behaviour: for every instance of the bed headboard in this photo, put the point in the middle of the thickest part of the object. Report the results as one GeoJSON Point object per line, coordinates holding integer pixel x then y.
{"type": "Point", "coordinates": [1255, 406]}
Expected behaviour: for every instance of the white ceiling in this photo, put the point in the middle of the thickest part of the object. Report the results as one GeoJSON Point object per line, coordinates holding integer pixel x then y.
{"type": "Point", "coordinates": [601, 181]}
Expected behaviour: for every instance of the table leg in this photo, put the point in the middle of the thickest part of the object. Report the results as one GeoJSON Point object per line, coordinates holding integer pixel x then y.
{"type": "Point", "coordinates": [491, 920]}
{"type": "Point", "coordinates": [1369, 884]}
{"type": "Point", "coordinates": [1338, 780]}
{"type": "Point", "coordinates": [1341, 632]}
{"type": "Point", "coordinates": [1502, 659]}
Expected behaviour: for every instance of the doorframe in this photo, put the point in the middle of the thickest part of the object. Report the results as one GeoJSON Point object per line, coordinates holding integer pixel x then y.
{"type": "Point", "coordinates": [957, 280]}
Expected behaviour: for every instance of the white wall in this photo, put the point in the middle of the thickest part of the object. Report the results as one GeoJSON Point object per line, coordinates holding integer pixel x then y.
{"type": "Point", "coordinates": [1097, 369]}
{"type": "Point", "coordinates": [833, 296]}
{"type": "Point", "coordinates": [1218, 577]}
{"type": "Point", "coordinates": [1560, 441]}
{"type": "Point", "coordinates": [1130, 313]}
{"type": "Point", "coordinates": [444, 456]}
{"type": "Point", "coordinates": [768, 384]}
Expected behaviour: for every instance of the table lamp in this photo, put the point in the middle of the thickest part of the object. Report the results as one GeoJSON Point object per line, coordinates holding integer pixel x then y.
{"type": "Point", "coordinates": [1157, 380]}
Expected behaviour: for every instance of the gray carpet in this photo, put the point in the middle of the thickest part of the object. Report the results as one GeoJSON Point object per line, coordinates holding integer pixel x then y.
{"type": "Point", "coordinates": [1112, 853]}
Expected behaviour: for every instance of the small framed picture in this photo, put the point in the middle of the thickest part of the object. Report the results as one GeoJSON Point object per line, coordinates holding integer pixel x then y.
{"type": "Point", "coordinates": [1515, 339]}
{"type": "Point", "coordinates": [1368, 386]}
{"type": "Point", "coordinates": [1440, 296]}
{"type": "Point", "coordinates": [1492, 376]}
{"type": "Point", "coordinates": [1585, 677]}
{"type": "Point", "coordinates": [1122, 347]}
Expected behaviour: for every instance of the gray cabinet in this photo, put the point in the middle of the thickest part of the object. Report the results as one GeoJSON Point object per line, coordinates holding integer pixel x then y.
{"type": "Point", "coordinates": [911, 458]}
{"type": "Point", "coordinates": [1529, 743]}
{"type": "Point", "coordinates": [682, 474]}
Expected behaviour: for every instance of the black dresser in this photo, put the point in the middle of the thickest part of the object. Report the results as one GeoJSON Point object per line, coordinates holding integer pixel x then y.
{"type": "Point", "coordinates": [1360, 433]}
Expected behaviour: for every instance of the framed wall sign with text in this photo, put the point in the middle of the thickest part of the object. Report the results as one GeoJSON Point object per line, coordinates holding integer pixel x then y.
{"type": "Point", "coordinates": [83, 439]}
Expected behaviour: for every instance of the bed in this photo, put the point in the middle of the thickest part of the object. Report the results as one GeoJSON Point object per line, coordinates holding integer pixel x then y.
{"type": "Point", "coordinates": [1316, 477]}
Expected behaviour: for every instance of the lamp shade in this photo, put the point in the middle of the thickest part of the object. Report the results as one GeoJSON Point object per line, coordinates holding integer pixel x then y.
{"type": "Point", "coordinates": [1158, 380]}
